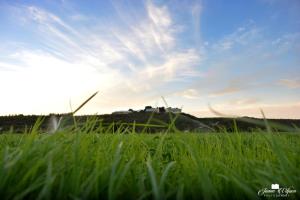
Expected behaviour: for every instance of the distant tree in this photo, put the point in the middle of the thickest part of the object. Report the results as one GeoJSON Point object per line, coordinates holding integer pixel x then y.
{"type": "Point", "coordinates": [162, 109]}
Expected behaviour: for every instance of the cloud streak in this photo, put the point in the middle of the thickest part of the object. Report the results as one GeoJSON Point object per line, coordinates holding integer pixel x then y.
{"type": "Point", "coordinates": [290, 83]}
{"type": "Point", "coordinates": [79, 60]}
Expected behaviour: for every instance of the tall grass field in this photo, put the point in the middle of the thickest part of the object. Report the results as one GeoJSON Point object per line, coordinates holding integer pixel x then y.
{"type": "Point", "coordinates": [84, 163]}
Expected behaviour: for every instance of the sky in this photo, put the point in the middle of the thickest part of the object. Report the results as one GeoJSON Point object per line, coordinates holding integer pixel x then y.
{"type": "Point", "coordinates": [235, 56]}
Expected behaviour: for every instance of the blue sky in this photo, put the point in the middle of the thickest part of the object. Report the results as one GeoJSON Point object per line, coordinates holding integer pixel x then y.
{"type": "Point", "coordinates": [238, 56]}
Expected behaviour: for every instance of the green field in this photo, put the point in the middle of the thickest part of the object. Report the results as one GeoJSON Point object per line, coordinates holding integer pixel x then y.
{"type": "Point", "coordinates": [84, 165]}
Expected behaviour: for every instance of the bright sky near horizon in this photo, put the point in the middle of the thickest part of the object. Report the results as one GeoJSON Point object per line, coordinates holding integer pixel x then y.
{"type": "Point", "coordinates": [238, 56]}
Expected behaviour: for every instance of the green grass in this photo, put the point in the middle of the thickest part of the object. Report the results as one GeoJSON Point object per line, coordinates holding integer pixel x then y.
{"type": "Point", "coordinates": [84, 164]}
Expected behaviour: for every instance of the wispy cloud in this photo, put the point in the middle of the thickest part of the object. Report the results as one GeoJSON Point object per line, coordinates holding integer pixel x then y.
{"type": "Point", "coordinates": [242, 36]}
{"type": "Point", "coordinates": [161, 25]}
{"type": "Point", "coordinates": [244, 101]}
{"type": "Point", "coordinates": [227, 90]}
{"type": "Point", "coordinates": [290, 83]}
{"type": "Point", "coordinates": [113, 60]}
{"type": "Point", "coordinates": [234, 86]}
{"type": "Point", "coordinates": [189, 94]}
{"type": "Point", "coordinates": [196, 17]}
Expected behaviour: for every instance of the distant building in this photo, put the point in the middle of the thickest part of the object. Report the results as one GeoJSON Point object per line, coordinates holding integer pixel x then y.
{"type": "Point", "coordinates": [173, 110]}
{"type": "Point", "coordinates": [121, 112]}
{"type": "Point", "coordinates": [147, 107]}
{"type": "Point", "coordinates": [124, 111]}
{"type": "Point", "coordinates": [150, 109]}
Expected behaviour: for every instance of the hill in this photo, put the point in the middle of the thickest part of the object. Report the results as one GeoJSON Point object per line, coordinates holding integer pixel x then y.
{"type": "Point", "coordinates": [154, 121]}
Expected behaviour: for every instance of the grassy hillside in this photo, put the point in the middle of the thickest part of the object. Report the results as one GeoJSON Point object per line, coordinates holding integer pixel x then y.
{"type": "Point", "coordinates": [182, 122]}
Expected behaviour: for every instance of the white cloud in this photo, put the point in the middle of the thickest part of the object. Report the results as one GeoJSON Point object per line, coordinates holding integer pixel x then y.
{"type": "Point", "coordinates": [47, 83]}
{"type": "Point", "coordinates": [179, 64]}
{"type": "Point", "coordinates": [159, 15]}
{"type": "Point", "coordinates": [160, 26]}
{"type": "Point", "coordinates": [190, 94]}
{"type": "Point", "coordinates": [8, 67]}
{"type": "Point", "coordinates": [74, 62]}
